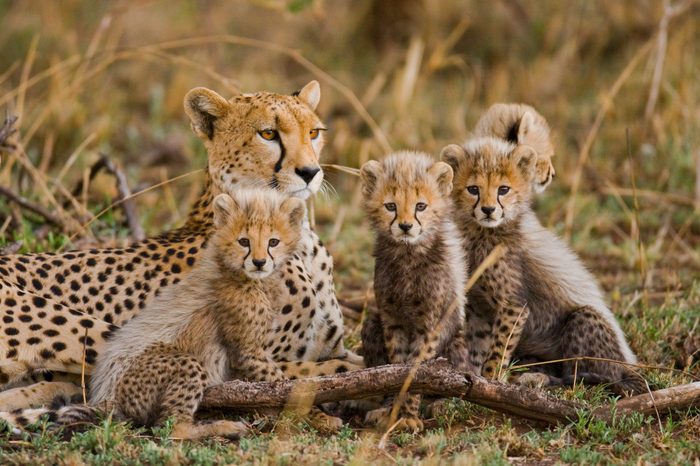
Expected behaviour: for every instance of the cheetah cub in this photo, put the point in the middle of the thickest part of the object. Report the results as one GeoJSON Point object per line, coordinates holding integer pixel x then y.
{"type": "Point", "coordinates": [539, 301]}
{"type": "Point", "coordinates": [208, 328]}
{"type": "Point", "coordinates": [419, 273]}
{"type": "Point", "coordinates": [521, 124]}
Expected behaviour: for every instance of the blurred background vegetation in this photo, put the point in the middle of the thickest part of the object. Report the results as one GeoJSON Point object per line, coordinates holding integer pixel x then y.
{"type": "Point", "coordinates": [619, 82]}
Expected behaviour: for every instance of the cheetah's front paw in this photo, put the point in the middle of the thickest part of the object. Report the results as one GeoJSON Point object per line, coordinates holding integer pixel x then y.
{"type": "Point", "coordinates": [533, 380]}
{"type": "Point", "coordinates": [375, 416]}
{"type": "Point", "coordinates": [382, 418]}
{"type": "Point", "coordinates": [406, 423]}
{"type": "Point", "coordinates": [324, 422]}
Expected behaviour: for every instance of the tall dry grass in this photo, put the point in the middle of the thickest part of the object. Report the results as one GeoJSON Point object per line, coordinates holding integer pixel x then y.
{"type": "Point", "coordinates": [97, 77]}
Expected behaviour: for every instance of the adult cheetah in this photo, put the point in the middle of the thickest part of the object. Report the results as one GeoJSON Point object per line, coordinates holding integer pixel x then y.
{"type": "Point", "coordinates": [55, 308]}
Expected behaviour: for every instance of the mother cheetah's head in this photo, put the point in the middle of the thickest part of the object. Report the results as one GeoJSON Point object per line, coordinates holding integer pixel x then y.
{"type": "Point", "coordinates": [261, 139]}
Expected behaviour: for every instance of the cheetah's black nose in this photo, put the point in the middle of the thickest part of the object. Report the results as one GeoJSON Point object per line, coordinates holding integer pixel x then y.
{"type": "Point", "coordinates": [307, 173]}
{"type": "Point", "coordinates": [259, 263]}
{"type": "Point", "coordinates": [406, 227]}
{"type": "Point", "coordinates": [488, 210]}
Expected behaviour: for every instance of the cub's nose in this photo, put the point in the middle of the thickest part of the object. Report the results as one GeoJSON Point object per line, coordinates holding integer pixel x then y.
{"type": "Point", "coordinates": [307, 173]}
{"type": "Point", "coordinates": [406, 227]}
{"type": "Point", "coordinates": [259, 263]}
{"type": "Point", "coordinates": [488, 210]}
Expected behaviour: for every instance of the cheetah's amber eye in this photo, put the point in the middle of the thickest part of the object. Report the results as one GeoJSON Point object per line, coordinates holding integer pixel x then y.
{"type": "Point", "coordinates": [268, 134]}
{"type": "Point", "coordinates": [421, 206]}
{"type": "Point", "coordinates": [503, 190]}
{"type": "Point", "coordinates": [314, 133]}
{"type": "Point", "coordinates": [244, 242]}
{"type": "Point", "coordinates": [473, 190]}
{"type": "Point", "coordinates": [273, 242]}
{"type": "Point", "coordinates": [390, 206]}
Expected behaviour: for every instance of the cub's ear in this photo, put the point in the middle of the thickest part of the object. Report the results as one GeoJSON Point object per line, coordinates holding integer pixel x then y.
{"type": "Point", "coordinates": [370, 173]}
{"type": "Point", "coordinates": [204, 106]}
{"type": "Point", "coordinates": [525, 158]}
{"type": "Point", "coordinates": [453, 155]}
{"type": "Point", "coordinates": [224, 207]}
{"type": "Point", "coordinates": [443, 174]}
{"type": "Point", "coordinates": [310, 94]}
{"type": "Point", "coordinates": [295, 210]}
{"type": "Point", "coordinates": [527, 121]}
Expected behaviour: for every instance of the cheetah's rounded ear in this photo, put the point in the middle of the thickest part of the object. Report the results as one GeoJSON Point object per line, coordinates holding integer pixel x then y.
{"type": "Point", "coordinates": [310, 94]}
{"type": "Point", "coordinates": [295, 210]}
{"type": "Point", "coordinates": [443, 174]}
{"type": "Point", "coordinates": [224, 207]}
{"type": "Point", "coordinates": [526, 159]}
{"type": "Point", "coordinates": [370, 173]}
{"type": "Point", "coordinates": [454, 155]}
{"type": "Point", "coordinates": [204, 106]}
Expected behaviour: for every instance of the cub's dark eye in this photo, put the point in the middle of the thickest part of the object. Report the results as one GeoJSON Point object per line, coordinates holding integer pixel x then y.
{"type": "Point", "coordinates": [473, 190]}
{"type": "Point", "coordinates": [268, 134]}
{"type": "Point", "coordinates": [390, 206]}
{"type": "Point", "coordinates": [314, 133]}
{"type": "Point", "coordinates": [244, 242]}
{"type": "Point", "coordinates": [420, 207]}
{"type": "Point", "coordinates": [503, 190]}
{"type": "Point", "coordinates": [273, 242]}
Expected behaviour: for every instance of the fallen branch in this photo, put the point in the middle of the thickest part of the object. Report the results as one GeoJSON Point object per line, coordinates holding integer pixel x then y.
{"type": "Point", "coordinates": [435, 378]}
{"type": "Point", "coordinates": [678, 397]}
{"type": "Point", "coordinates": [30, 206]}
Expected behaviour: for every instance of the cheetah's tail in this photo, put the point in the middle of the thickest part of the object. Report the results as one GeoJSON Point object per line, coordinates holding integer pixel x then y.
{"type": "Point", "coordinates": [72, 416]}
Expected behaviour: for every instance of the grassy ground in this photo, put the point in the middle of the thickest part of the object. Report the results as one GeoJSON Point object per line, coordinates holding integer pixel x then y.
{"type": "Point", "coordinates": [87, 78]}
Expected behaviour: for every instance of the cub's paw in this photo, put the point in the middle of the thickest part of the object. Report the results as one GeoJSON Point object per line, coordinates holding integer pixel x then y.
{"type": "Point", "coordinates": [375, 416]}
{"type": "Point", "coordinates": [406, 423]}
{"type": "Point", "coordinates": [324, 422]}
{"type": "Point", "coordinates": [382, 419]}
{"type": "Point", "coordinates": [532, 380]}
{"type": "Point", "coordinates": [231, 430]}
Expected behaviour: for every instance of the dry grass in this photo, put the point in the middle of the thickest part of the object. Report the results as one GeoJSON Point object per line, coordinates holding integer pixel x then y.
{"type": "Point", "coordinates": [108, 77]}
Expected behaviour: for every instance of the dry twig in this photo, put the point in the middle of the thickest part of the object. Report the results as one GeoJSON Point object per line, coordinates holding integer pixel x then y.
{"type": "Point", "coordinates": [6, 131]}
{"type": "Point", "coordinates": [125, 195]}
{"type": "Point", "coordinates": [30, 206]}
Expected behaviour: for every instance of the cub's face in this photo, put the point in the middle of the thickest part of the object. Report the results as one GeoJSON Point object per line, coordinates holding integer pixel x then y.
{"type": "Point", "coordinates": [261, 140]}
{"type": "Point", "coordinates": [256, 230]}
{"type": "Point", "coordinates": [493, 180]}
{"type": "Point", "coordinates": [406, 195]}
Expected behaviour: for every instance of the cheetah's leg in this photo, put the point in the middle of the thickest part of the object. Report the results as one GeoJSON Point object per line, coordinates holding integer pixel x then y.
{"type": "Point", "coordinates": [37, 395]}
{"type": "Point", "coordinates": [373, 348]}
{"type": "Point", "coordinates": [329, 330]}
{"type": "Point", "coordinates": [586, 333]}
{"type": "Point", "coordinates": [258, 367]}
{"type": "Point", "coordinates": [163, 383]}
{"type": "Point", "coordinates": [402, 349]}
{"type": "Point", "coordinates": [479, 337]}
{"type": "Point", "coordinates": [507, 329]}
